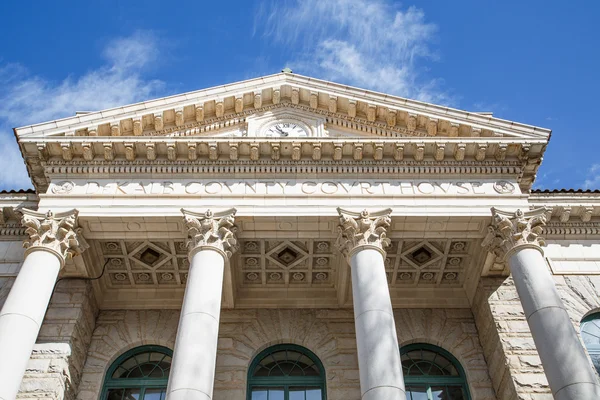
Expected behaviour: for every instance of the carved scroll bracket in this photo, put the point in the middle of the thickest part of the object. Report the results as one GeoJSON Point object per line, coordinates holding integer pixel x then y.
{"type": "Point", "coordinates": [213, 230]}
{"type": "Point", "coordinates": [364, 229]}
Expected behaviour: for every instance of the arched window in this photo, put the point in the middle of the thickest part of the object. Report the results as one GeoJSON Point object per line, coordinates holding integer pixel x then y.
{"type": "Point", "coordinates": [286, 372]}
{"type": "Point", "coordinates": [139, 374]}
{"type": "Point", "coordinates": [431, 373]}
{"type": "Point", "coordinates": [590, 333]}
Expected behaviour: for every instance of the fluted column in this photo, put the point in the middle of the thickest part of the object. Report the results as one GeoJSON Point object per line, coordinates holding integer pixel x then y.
{"type": "Point", "coordinates": [362, 239]}
{"type": "Point", "coordinates": [52, 239]}
{"type": "Point", "coordinates": [211, 241]}
{"type": "Point", "coordinates": [514, 237]}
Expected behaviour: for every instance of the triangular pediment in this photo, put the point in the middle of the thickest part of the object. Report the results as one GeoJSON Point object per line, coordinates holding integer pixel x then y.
{"type": "Point", "coordinates": [286, 119]}
{"type": "Point", "coordinates": [344, 110]}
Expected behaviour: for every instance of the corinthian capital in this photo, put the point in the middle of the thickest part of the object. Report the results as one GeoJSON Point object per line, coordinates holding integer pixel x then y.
{"type": "Point", "coordinates": [363, 229]}
{"type": "Point", "coordinates": [214, 230]}
{"type": "Point", "coordinates": [59, 233]}
{"type": "Point", "coordinates": [512, 230]}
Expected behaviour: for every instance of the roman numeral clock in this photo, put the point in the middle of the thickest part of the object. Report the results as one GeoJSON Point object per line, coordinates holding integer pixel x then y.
{"type": "Point", "coordinates": [285, 129]}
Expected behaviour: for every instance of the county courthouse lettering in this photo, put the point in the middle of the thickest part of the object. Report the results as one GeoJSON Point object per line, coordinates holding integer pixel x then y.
{"type": "Point", "coordinates": [285, 187]}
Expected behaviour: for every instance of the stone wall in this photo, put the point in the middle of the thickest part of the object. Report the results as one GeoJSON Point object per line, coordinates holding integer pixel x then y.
{"type": "Point", "coordinates": [515, 366]}
{"type": "Point", "coordinates": [56, 364]}
{"type": "Point", "coordinates": [244, 333]}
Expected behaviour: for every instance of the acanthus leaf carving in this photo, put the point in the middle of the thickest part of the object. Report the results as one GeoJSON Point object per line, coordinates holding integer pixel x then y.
{"type": "Point", "coordinates": [513, 230]}
{"type": "Point", "coordinates": [59, 232]}
{"type": "Point", "coordinates": [363, 229]}
{"type": "Point", "coordinates": [208, 229]}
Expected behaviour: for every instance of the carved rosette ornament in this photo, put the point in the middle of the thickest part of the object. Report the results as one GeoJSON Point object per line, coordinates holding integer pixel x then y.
{"type": "Point", "coordinates": [213, 230]}
{"type": "Point", "coordinates": [364, 229]}
{"type": "Point", "coordinates": [59, 233]}
{"type": "Point", "coordinates": [511, 231]}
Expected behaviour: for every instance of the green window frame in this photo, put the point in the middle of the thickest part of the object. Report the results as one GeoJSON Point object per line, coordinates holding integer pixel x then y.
{"type": "Point", "coordinates": [286, 369]}
{"type": "Point", "coordinates": [590, 333]}
{"type": "Point", "coordinates": [430, 371]}
{"type": "Point", "coordinates": [141, 373]}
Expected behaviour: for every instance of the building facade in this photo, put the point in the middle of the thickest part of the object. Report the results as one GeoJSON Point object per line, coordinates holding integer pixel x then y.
{"type": "Point", "coordinates": [287, 238]}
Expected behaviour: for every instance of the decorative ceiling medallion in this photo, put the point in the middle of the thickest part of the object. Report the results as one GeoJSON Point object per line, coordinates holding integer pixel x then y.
{"type": "Point", "coordinates": [144, 262]}
{"type": "Point", "coordinates": [149, 256]}
{"type": "Point", "coordinates": [458, 247]}
{"type": "Point", "coordinates": [287, 256]}
{"type": "Point", "coordinates": [428, 262]}
{"type": "Point", "coordinates": [421, 255]}
{"type": "Point", "coordinates": [297, 262]}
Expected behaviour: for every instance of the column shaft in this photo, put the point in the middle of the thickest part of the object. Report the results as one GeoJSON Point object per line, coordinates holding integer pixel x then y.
{"type": "Point", "coordinates": [22, 315]}
{"type": "Point", "coordinates": [376, 338]}
{"type": "Point", "coordinates": [193, 370]}
{"type": "Point", "coordinates": [566, 365]}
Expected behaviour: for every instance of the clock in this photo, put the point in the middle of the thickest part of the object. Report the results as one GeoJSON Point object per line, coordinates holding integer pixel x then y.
{"type": "Point", "coordinates": [285, 129]}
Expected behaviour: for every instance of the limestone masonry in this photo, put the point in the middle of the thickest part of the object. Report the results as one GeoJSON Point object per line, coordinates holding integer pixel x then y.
{"type": "Point", "coordinates": [287, 238]}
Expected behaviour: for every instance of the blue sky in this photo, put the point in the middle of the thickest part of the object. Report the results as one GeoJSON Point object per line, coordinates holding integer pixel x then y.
{"type": "Point", "coordinates": [535, 62]}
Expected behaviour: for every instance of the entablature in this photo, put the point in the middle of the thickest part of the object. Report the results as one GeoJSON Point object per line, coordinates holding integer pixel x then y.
{"type": "Point", "coordinates": [334, 123]}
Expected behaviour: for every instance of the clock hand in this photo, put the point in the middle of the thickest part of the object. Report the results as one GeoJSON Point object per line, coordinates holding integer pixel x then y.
{"type": "Point", "coordinates": [281, 132]}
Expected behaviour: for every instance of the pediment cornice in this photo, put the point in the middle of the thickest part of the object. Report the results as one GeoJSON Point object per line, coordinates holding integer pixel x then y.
{"type": "Point", "coordinates": [185, 129]}
{"type": "Point", "coordinates": [235, 101]}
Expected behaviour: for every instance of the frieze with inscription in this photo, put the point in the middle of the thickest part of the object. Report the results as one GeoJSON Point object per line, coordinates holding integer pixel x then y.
{"type": "Point", "coordinates": [292, 187]}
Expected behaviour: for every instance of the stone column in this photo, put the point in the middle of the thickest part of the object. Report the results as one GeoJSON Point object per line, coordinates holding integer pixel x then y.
{"type": "Point", "coordinates": [52, 239]}
{"type": "Point", "coordinates": [362, 239]}
{"type": "Point", "coordinates": [514, 237]}
{"type": "Point", "coordinates": [211, 242]}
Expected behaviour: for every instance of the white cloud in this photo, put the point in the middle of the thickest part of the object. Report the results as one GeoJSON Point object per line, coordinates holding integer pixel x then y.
{"type": "Point", "coordinates": [593, 178]}
{"type": "Point", "coordinates": [27, 99]}
{"type": "Point", "coordinates": [368, 44]}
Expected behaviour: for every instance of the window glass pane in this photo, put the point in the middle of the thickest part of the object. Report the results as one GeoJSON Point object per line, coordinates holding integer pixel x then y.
{"type": "Point", "coordinates": [144, 365]}
{"type": "Point", "coordinates": [297, 393]}
{"type": "Point", "coordinates": [313, 394]}
{"type": "Point", "coordinates": [155, 394]}
{"type": "Point", "coordinates": [259, 394]}
{"type": "Point", "coordinates": [439, 393]}
{"type": "Point", "coordinates": [291, 368]}
{"type": "Point", "coordinates": [305, 393]}
{"type": "Point", "coordinates": [414, 392]}
{"type": "Point", "coordinates": [431, 373]}
{"type": "Point", "coordinates": [275, 394]}
{"type": "Point", "coordinates": [124, 394]}
{"type": "Point", "coordinates": [596, 361]}
{"type": "Point", "coordinates": [590, 331]}
{"type": "Point", "coordinates": [268, 393]}
{"type": "Point", "coordinates": [456, 393]}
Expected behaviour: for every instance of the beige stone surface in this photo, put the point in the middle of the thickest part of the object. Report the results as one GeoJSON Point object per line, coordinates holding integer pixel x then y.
{"type": "Point", "coordinates": [514, 364]}
{"type": "Point", "coordinates": [56, 364]}
{"type": "Point", "coordinates": [244, 333]}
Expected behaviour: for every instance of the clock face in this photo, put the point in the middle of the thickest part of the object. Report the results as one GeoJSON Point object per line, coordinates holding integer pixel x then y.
{"type": "Point", "coordinates": [285, 129]}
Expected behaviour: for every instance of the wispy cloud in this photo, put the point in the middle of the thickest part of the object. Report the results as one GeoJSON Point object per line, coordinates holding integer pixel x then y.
{"type": "Point", "coordinates": [593, 178]}
{"type": "Point", "coordinates": [27, 99]}
{"type": "Point", "coordinates": [373, 44]}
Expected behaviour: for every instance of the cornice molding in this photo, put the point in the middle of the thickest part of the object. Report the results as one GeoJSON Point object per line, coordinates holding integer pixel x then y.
{"type": "Point", "coordinates": [255, 94]}
{"type": "Point", "coordinates": [559, 230]}
{"type": "Point", "coordinates": [282, 167]}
